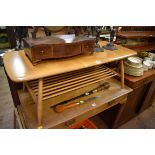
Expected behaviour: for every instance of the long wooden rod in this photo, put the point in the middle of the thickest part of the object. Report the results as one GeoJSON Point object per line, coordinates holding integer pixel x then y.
{"type": "Point", "coordinates": [122, 74]}
{"type": "Point", "coordinates": [39, 107]}
{"type": "Point", "coordinates": [75, 88]}
{"type": "Point", "coordinates": [73, 81]}
{"type": "Point", "coordinates": [72, 85]}
{"type": "Point", "coordinates": [66, 76]}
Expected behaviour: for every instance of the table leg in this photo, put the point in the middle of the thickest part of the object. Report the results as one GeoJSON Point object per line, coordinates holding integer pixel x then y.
{"type": "Point", "coordinates": [24, 87]}
{"type": "Point", "coordinates": [122, 74]}
{"type": "Point", "coordinates": [39, 106]}
{"type": "Point", "coordinates": [17, 119]}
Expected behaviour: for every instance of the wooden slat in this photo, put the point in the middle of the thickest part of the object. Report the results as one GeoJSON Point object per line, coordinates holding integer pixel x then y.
{"type": "Point", "coordinates": [77, 72]}
{"type": "Point", "coordinates": [122, 74]}
{"type": "Point", "coordinates": [33, 82]}
{"type": "Point", "coordinates": [66, 76]}
{"type": "Point", "coordinates": [58, 85]}
{"type": "Point", "coordinates": [32, 93]}
{"type": "Point", "coordinates": [60, 93]}
{"type": "Point", "coordinates": [64, 79]}
{"type": "Point", "coordinates": [72, 81]}
{"type": "Point", "coordinates": [82, 71]}
{"type": "Point", "coordinates": [75, 85]}
{"type": "Point", "coordinates": [18, 118]}
{"type": "Point", "coordinates": [21, 117]}
{"type": "Point", "coordinates": [39, 106]}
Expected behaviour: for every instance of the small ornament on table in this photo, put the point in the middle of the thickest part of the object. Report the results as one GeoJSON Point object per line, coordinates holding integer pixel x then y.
{"type": "Point", "coordinates": [97, 46]}
{"type": "Point", "coordinates": [110, 45]}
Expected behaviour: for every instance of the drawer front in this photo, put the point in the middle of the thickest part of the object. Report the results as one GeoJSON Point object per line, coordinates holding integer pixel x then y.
{"type": "Point", "coordinates": [42, 52]}
{"type": "Point", "coordinates": [90, 113]}
{"type": "Point", "coordinates": [66, 50]}
{"type": "Point", "coordinates": [88, 47]}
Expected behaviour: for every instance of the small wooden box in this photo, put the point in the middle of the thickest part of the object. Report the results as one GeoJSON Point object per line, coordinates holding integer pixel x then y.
{"type": "Point", "coordinates": [60, 46]}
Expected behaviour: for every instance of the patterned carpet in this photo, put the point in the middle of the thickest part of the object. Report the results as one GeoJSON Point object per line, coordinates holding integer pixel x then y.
{"type": "Point", "coordinates": [6, 103]}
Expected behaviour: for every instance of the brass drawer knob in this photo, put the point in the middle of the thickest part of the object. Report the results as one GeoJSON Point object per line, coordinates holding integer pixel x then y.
{"type": "Point", "coordinates": [42, 52]}
{"type": "Point", "coordinates": [86, 46]}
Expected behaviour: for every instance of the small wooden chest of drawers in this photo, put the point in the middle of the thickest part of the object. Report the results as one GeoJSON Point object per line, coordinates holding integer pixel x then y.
{"type": "Point", "coordinates": [60, 46]}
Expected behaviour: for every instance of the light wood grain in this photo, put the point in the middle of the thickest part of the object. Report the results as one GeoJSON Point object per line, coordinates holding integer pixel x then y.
{"type": "Point", "coordinates": [53, 87]}
{"type": "Point", "coordinates": [39, 106]}
{"type": "Point", "coordinates": [51, 119]}
{"type": "Point", "coordinates": [18, 119]}
{"type": "Point", "coordinates": [34, 97]}
{"type": "Point", "coordinates": [19, 68]}
{"type": "Point", "coordinates": [65, 80]}
{"type": "Point", "coordinates": [122, 74]}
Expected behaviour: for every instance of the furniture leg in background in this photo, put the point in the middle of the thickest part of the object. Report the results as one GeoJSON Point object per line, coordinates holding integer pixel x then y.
{"type": "Point", "coordinates": [15, 120]}
{"type": "Point", "coordinates": [119, 113]}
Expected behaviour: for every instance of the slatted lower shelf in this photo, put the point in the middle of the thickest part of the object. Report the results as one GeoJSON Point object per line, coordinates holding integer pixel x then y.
{"type": "Point", "coordinates": [63, 83]}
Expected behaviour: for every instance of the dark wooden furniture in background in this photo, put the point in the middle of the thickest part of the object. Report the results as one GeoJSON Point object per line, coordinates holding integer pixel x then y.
{"type": "Point", "coordinates": [8, 37]}
{"type": "Point", "coordinates": [15, 33]}
{"type": "Point", "coordinates": [143, 87]}
{"type": "Point", "coordinates": [138, 32]}
{"type": "Point", "coordinates": [11, 35]}
{"type": "Point", "coordinates": [138, 100]}
{"type": "Point", "coordinates": [141, 97]}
